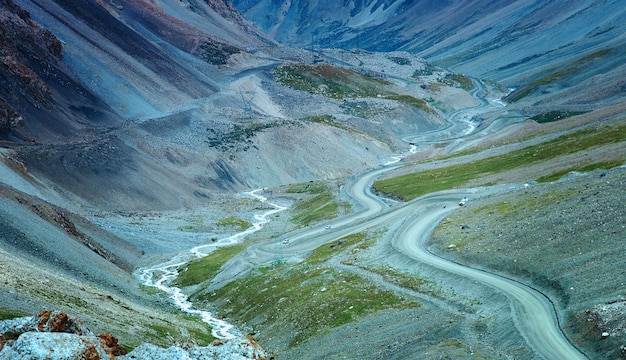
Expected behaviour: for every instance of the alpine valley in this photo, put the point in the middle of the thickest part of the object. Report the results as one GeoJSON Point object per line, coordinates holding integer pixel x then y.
{"type": "Point", "coordinates": [358, 179]}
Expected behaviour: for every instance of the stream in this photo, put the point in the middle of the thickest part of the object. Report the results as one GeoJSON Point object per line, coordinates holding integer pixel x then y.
{"type": "Point", "coordinates": [161, 276]}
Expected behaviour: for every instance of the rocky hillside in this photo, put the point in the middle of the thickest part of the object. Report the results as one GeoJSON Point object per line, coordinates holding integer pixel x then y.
{"type": "Point", "coordinates": [514, 42]}
{"type": "Point", "coordinates": [130, 128]}
{"type": "Point", "coordinates": [134, 105]}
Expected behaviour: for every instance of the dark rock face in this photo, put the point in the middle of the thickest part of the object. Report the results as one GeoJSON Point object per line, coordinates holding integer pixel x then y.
{"type": "Point", "coordinates": [40, 101]}
{"type": "Point", "coordinates": [28, 52]}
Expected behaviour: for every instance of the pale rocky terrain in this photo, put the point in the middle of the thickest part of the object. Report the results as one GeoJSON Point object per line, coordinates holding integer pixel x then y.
{"type": "Point", "coordinates": [107, 166]}
{"type": "Point", "coordinates": [564, 237]}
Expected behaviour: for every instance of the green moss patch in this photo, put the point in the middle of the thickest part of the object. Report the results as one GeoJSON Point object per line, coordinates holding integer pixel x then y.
{"type": "Point", "coordinates": [308, 298]}
{"type": "Point", "coordinates": [207, 267]}
{"type": "Point", "coordinates": [6, 314]}
{"type": "Point", "coordinates": [234, 222]}
{"type": "Point", "coordinates": [413, 185]}
{"type": "Point", "coordinates": [322, 206]}
{"type": "Point", "coordinates": [555, 115]}
{"type": "Point", "coordinates": [339, 83]}
{"type": "Point", "coordinates": [586, 168]}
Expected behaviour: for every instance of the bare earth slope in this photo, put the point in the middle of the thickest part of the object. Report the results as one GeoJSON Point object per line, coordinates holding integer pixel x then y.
{"type": "Point", "coordinates": [130, 130]}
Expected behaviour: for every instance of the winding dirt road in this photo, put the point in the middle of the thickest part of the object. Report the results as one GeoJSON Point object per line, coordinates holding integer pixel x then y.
{"type": "Point", "coordinates": [532, 312]}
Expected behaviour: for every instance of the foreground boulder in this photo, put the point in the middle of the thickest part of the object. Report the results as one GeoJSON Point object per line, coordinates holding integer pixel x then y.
{"type": "Point", "coordinates": [54, 335]}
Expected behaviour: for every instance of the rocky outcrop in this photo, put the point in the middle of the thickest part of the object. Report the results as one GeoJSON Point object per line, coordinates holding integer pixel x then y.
{"type": "Point", "coordinates": [55, 335]}
{"type": "Point", "coordinates": [234, 349]}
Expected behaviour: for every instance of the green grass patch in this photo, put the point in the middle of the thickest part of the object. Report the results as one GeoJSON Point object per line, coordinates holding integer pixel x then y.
{"type": "Point", "coordinates": [555, 115]}
{"type": "Point", "coordinates": [320, 207]}
{"type": "Point", "coordinates": [331, 81]}
{"type": "Point", "coordinates": [459, 80]}
{"type": "Point", "coordinates": [200, 337]}
{"type": "Point", "coordinates": [586, 168]}
{"type": "Point", "coordinates": [7, 314]}
{"type": "Point", "coordinates": [234, 222]}
{"type": "Point", "coordinates": [408, 281]}
{"type": "Point", "coordinates": [426, 71]}
{"type": "Point", "coordinates": [330, 121]}
{"type": "Point", "coordinates": [325, 252]}
{"type": "Point", "coordinates": [410, 186]}
{"type": "Point", "coordinates": [410, 101]}
{"type": "Point", "coordinates": [304, 299]}
{"type": "Point", "coordinates": [311, 187]}
{"type": "Point", "coordinates": [207, 267]}
{"type": "Point", "coordinates": [151, 290]}
{"type": "Point", "coordinates": [340, 83]}
{"type": "Point", "coordinates": [238, 135]}
{"type": "Point", "coordinates": [527, 89]}
{"type": "Point", "coordinates": [183, 329]}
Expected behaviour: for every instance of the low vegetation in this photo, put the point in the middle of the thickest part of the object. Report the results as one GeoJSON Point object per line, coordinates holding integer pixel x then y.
{"type": "Point", "coordinates": [234, 222]}
{"type": "Point", "coordinates": [426, 71]}
{"type": "Point", "coordinates": [340, 83]}
{"type": "Point", "coordinates": [233, 138]}
{"type": "Point", "coordinates": [216, 53]}
{"type": "Point", "coordinates": [555, 115]}
{"type": "Point", "coordinates": [413, 185]}
{"type": "Point", "coordinates": [405, 280]}
{"type": "Point", "coordinates": [556, 76]}
{"type": "Point", "coordinates": [586, 168]}
{"type": "Point", "coordinates": [330, 121]}
{"type": "Point", "coordinates": [6, 314]}
{"type": "Point", "coordinates": [564, 238]}
{"type": "Point", "coordinates": [459, 80]}
{"type": "Point", "coordinates": [305, 299]}
{"type": "Point", "coordinates": [399, 60]}
{"type": "Point", "coordinates": [184, 330]}
{"type": "Point", "coordinates": [321, 206]}
{"type": "Point", "coordinates": [207, 267]}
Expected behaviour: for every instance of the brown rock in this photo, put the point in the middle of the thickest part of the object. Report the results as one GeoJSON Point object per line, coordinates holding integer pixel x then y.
{"type": "Point", "coordinates": [90, 354]}
{"type": "Point", "coordinates": [58, 321]}
{"type": "Point", "coordinates": [111, 346]}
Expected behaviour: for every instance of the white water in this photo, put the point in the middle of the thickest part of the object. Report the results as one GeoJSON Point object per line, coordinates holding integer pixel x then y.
{"type": "Point", "coordinates": [161, 275]}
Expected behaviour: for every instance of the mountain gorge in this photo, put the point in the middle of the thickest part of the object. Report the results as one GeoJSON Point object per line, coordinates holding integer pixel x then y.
{"type": "Point", "coordinates": [133, 131]}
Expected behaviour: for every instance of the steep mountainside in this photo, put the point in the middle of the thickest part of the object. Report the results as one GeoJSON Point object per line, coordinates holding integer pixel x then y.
{"type": "Point", "coordinates": [514, 41]}
{"type": "Point", "coordinates": [132, 132]}
{"type": "Point", "coordinates": [94, 85]}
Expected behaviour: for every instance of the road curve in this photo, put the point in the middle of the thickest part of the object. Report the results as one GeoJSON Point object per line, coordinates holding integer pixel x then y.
{"type": "Point", "coordinates": [534, 313]}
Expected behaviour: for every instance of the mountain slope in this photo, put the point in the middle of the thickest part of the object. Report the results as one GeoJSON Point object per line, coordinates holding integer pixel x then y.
{"type": "Point", "coordinates": [129, 128]}
{"type": "Point", "coordinates": [509, 41]}
{"type": "Point", "coordinates": [118, 78]}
